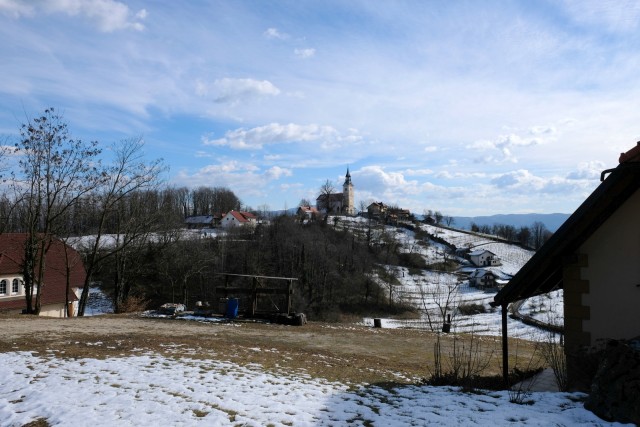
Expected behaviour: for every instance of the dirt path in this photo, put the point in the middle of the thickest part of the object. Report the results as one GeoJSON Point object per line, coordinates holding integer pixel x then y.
{"type": "Point", "coordinates": [347, 353]}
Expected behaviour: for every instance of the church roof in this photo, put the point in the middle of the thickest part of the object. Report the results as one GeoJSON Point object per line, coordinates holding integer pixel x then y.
{"type": "Point", "coordinates": [334, 197]}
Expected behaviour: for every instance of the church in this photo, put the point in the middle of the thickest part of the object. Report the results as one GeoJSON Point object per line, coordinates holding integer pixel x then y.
{"type": "Point", "coordinates": [338, 203]}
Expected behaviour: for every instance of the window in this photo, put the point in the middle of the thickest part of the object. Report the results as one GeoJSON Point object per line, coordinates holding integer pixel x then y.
{"type": "Point", "coordinates": [15, 286]}
{"type": "Point", "coordinates": [3, 287]}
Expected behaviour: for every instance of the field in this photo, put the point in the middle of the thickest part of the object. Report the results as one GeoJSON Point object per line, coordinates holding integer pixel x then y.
{"type": "Point", "coordinates": [127, 370]}
{"type": "Point", "coordinates": [347, 352]}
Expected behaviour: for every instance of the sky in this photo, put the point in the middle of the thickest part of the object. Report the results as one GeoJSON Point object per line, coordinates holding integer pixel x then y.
{"type": "Point", "coordinates": [465, 107]}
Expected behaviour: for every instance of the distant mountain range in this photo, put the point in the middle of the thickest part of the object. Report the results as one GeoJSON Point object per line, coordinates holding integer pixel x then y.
{"type": "Point", "coordinates": [551, 221]}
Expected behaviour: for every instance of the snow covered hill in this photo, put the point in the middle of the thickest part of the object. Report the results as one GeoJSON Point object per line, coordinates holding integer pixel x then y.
{"type": "Point", "coordinates": [438, 294]}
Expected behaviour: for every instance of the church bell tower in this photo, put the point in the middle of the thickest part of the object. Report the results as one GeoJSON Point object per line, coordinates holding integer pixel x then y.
{"type": "Point", "coordinates": [349, 207]}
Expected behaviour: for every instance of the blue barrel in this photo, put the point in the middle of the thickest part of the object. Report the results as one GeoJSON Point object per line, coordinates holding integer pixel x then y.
{"type": "Point", "coordinates": [232, 308]}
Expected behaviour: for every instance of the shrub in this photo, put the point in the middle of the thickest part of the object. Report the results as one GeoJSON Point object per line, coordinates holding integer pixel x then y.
{"type": "Point", "coordinates": [471, 309]}
{"type": "Point", "coordinates": [133, 304]}
{"type": "Point", "coordinates": [412, 260]}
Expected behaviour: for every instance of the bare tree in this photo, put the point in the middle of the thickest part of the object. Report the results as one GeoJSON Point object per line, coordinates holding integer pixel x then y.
{"type": "Point", "coordinates": [5, 152]}
{"type": "Point", "coordinates": [180, 262]}
{"type": "Point", "coordinates": [128, 174]}
{"type": "Point", "coordinates": [439, 299]}
{"type": "Point", "coordinates": [363, 206]}
{"type": "Point", "coordinates": [263, 210]}
{"type": "Point", "coordinates": [524, 236]}
{"type": "Point", "coordinates": [304, 202]}
{"type": "Point", "coordinates": [326, 190]}
{"type": "Point", "coordinates": [54, 172]}
{"type": "Point", "coordinates": [539, 234]}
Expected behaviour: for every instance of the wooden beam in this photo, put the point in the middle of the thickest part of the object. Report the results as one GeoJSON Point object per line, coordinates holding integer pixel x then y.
{"type": "Point", "coordinates": [505, 347]}
{"type": "Point", "coordinates": [249, 291]}
{"type": "Point", "coordinates": [256, 276]}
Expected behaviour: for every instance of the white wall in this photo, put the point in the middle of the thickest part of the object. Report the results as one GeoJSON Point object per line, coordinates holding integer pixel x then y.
{"type": "Point", "coordinates": [614, 272]}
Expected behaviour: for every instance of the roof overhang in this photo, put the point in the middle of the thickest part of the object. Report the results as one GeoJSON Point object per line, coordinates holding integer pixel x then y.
{"type": "Point", "coordinates": [543, 272]}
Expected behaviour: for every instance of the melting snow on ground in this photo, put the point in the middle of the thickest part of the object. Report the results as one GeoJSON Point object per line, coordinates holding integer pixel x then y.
{"type": "Point", "coordinates": [151, 390]}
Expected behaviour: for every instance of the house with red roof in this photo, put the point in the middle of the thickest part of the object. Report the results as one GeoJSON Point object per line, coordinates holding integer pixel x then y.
{"type": "Point", "coordinates": [307, 213]}
{"type": "Point", "coordinates": [237, 218]}
{"type": "Point", "coordinates": [60, 258]}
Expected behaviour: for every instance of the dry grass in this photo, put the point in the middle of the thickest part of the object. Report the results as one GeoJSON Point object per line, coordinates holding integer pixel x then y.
{"type": "Point", "coordinates": [340, 352]}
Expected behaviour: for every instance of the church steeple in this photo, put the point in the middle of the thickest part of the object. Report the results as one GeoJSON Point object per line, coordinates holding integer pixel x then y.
{"type": "Point", "coordinates": [347, 178]}
{"type": "Point", "coordinates": [347, 191]}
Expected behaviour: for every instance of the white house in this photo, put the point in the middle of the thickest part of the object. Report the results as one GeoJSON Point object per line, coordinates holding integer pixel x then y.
{"type": "Point", "coordinates": [237, 218]}
{"type": "Point", "coordinates": [481, 279]}
{"type": "Point", "coordinates": [484, 258]}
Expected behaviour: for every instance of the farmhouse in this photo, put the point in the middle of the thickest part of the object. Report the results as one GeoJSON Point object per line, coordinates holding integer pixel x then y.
{"type": "Point", "coordinates": [482, 279]}
{"type": "Point", "coordinates": [377, 210]}
{"type": "Point", "coordinates": [594, 257]}
{"type": "Point", "coordinates": [380, 211]}
{"type": "Point", "coordinates": [307, 213]}
{"type": "Point", "coordinates": [484, 258]}
{"type": "Point", "coordinates": [237, 218]}
{"type": "Point", "coordinates": [54, 295]}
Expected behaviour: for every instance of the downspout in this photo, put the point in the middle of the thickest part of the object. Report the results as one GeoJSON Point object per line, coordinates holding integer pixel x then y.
{"type": "Point", "coordinates": [505, 347]}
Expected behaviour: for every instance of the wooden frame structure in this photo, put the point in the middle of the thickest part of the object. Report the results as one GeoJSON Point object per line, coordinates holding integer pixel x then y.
{"type": "Point", "coordinates": [256, 289]}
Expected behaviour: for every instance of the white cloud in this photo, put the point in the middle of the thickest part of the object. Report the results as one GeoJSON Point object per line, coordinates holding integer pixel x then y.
{"type": "Point", "coordinates": [543, 130]}
{"type": "Point", "coordinates": [523, 181]}
{"type": "Point", "coordinates": [460, 175]}
{"type": "Point", "coordinates": [305, 53]}
{"type": "Point", "coordinates": [588, 170]}
{"type": "Point", "coordinates": [389, 185]}
{"type": "Point", "coordinates": [274, 33]}
{"type": "Point", "coordinates": [276, 133]}
{"type": "Point", "coordinates": [276, 172]}
{"type": "Point", "coordinates": [501, 149]}
{"type": "Point", "coordinates": [110, 15]}
{"type": "Point", "coordinates": [244, 179]}
{"type": "Point", "coordinates": [233, 91]}
{"type": "Point", "coordinates": [518, 179]}
{"type": "Point", "coordinates": [418, 172]}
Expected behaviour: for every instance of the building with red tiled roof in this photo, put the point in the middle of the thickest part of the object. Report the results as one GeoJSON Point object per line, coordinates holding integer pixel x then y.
{"type": "Point", "coordinates": [307, 213]}
{"type": "Point", "coordinates": [236, 218]}
{"type": "Point", "coordinates": [54, 295]}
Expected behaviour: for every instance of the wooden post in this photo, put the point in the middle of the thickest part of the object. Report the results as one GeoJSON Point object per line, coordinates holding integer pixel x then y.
{"type": "Point", "coordinates": [254, 302]}
{"type": "Point", "coordinates": [289, 292]}
{"type": "Point", "coordinates": [505, 346]}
